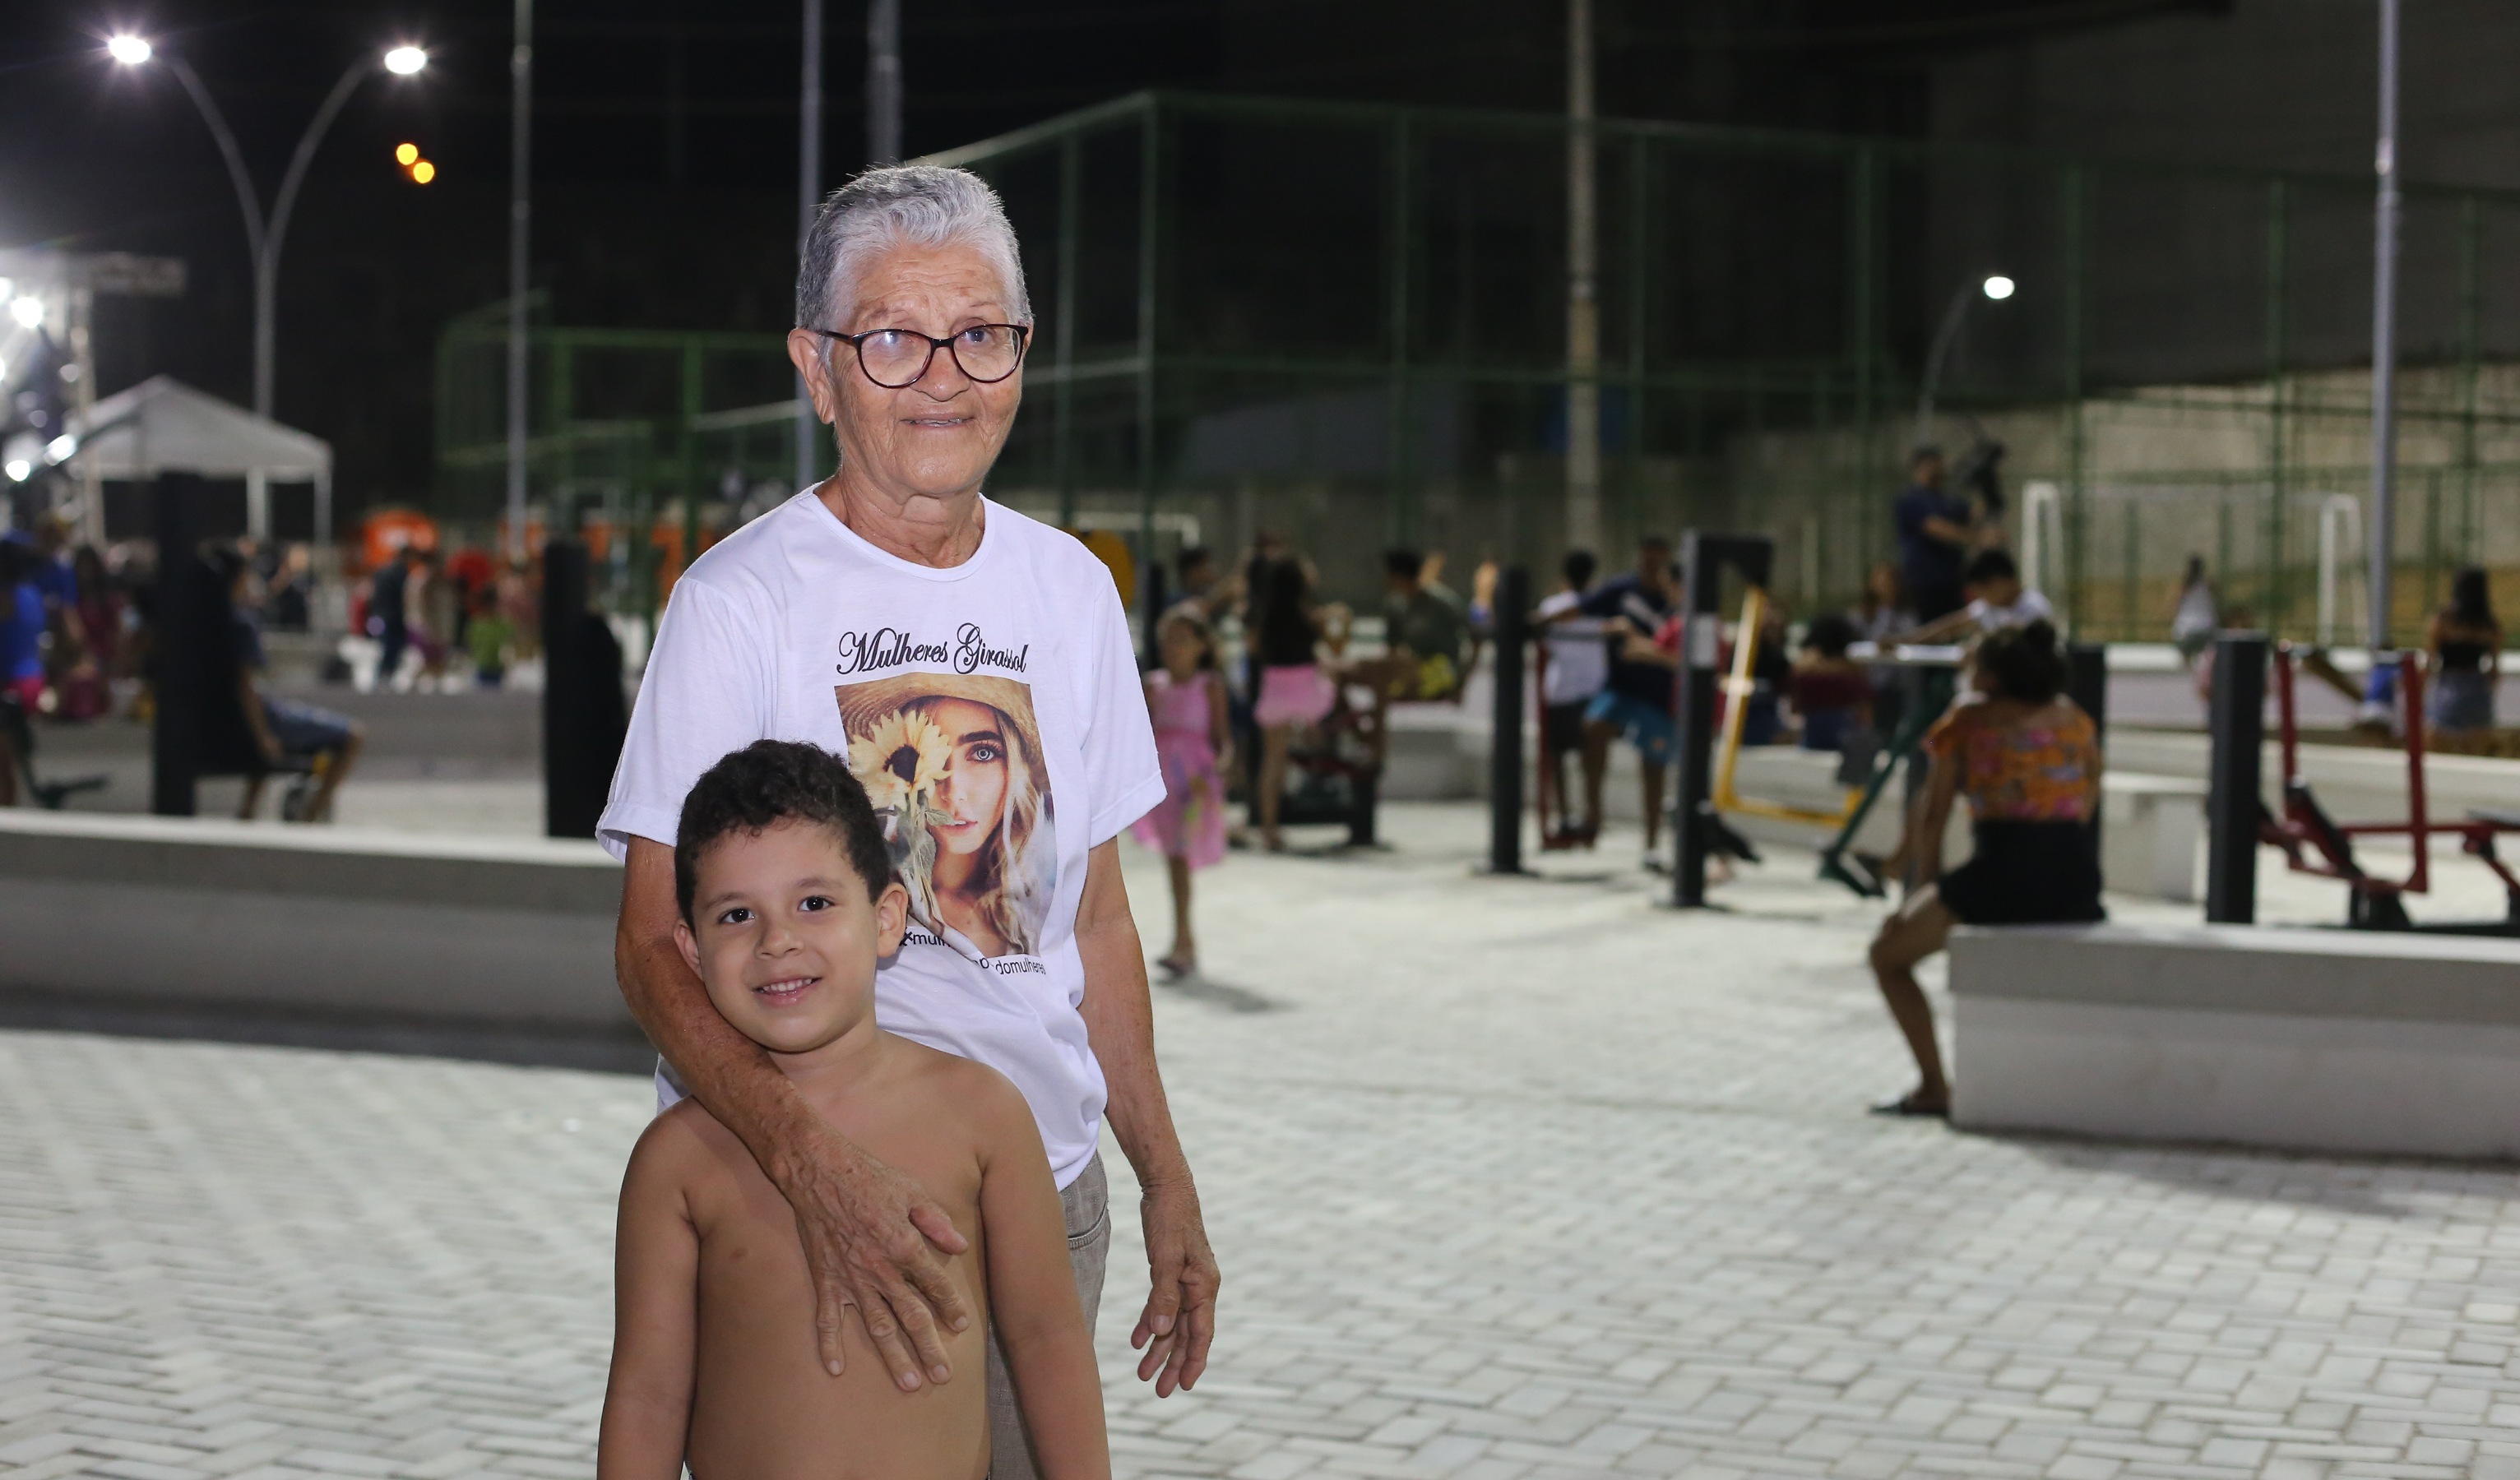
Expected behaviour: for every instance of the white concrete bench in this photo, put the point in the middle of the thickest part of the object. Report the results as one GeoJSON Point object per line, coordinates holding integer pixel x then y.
{"type": "Point", "coordinates": [2314, 1040]}
{"type": "Point", "coordinates": [499, 930]}
{"type": "Point", "coordinates": [2151, 828]}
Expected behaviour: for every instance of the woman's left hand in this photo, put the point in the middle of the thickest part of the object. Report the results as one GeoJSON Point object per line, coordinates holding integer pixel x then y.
{"type": "Point", "coordinates": [1179, 1319]}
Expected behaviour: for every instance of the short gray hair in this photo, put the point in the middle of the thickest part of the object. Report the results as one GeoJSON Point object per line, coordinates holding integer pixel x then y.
{"type": "Point", "coordinates": [917, 205]}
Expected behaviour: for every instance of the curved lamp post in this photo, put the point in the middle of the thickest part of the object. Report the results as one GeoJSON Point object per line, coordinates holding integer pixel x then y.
{"type": "Point", "coordinates": [1996, 288]}
{"type": "Point", "coordinates": [263, 236]}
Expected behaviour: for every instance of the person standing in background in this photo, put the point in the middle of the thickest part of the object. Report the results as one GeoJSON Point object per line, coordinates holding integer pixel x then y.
{"type": "Point", "coordinates": [1291, 691]}
{"type": "Point", "coordinates": [2466, 644]}
{"type": "Point", "coordinates": [1576, 663]}
{"type": "Point", "coordinates": [389, 615]}
{"type": "Point", "coordinates": [1935, 533]}
{"type": "Point", "coordinates": [1637, 698]}
{"type": "Point", "coordinates": [2196, 618]}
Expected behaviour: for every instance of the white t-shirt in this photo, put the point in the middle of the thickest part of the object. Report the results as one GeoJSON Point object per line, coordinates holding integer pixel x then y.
{"type": "Point", "coordinates": [1579, 658]}
{"type": "Point", "coordinates": [1015, 669]}
{"type": "Point", "coordinates": [2027, 607]}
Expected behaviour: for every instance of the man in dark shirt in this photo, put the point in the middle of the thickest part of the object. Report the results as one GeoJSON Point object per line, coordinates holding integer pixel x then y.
{"type": "Point", "coordinates": [1934, 536]}
{"type": "Point", "coordinates": [1637, 700]}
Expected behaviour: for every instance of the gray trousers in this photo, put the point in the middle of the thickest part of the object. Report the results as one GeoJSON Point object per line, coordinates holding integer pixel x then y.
{"type": "Point", "coordinates": [1087, 1204]}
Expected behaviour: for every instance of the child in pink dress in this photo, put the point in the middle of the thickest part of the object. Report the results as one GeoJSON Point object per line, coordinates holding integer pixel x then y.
{"type": "Point", "coordinates": [1193, 739]}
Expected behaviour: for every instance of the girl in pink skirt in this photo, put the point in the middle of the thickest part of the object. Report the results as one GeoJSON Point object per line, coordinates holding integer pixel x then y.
{"type": "Point", "coordinates": [1195, 741]}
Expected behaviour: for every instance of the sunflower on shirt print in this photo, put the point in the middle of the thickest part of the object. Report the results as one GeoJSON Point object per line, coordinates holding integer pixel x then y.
{"type": "Point", "coordinates": [953, 763]}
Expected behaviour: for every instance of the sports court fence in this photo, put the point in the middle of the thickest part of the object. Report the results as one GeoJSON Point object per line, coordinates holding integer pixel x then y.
{"type": "Point", "coordinates": [1347, 322]}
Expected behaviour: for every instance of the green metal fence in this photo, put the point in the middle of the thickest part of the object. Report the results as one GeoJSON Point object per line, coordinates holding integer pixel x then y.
{"type": "Point", "coordinates": [1347, 324]}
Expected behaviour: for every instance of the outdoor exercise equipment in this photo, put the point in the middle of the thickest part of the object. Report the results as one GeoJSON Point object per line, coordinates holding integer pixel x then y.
{"type": "Point", "coordinates": [1738, 688]}
{"type": "Point", "coordinates": [2315, 843]}
{"type": "Point", "coordinates": [1932, 676]}
{"type": "Point", "coordinates": [2311, 840]}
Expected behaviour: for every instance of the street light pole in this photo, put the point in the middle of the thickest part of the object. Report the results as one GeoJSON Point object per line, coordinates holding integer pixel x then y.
{"type": "Point", "coordinates": [883, 81]}
{"type": "Point", "coordinates": [809, 200]}
{"type": "Point", "coordinates": [520, 170]}
{"type": "Point", "coordinates": [1996, 288]}
{"type": "Point", "coordinates": [2381, 541]}
{"type": "Point", "coordinates": [1583, 292]}
{"type": "Point", "coordinates": [266, 277]}
{"type": "Point", "coordinates": [263, 237]}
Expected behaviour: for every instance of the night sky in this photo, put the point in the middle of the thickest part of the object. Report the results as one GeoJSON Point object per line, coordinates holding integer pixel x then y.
{"type": "Point", "coordinates": [666, 142]}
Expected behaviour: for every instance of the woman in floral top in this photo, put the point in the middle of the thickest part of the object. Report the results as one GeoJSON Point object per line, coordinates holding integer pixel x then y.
{"type": "Point", "coordinates": [2029, 761]}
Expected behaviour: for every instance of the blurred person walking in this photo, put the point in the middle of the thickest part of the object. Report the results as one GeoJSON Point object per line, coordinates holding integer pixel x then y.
{"type": "Point", "coordinates": [1194, 743]}
{"type": "Point", "coordinates": [2029, 761]}
{"type": "Point", "coordinates": [1575, 664]}
{"type": "Point", "coordinates": [389, 612]}
{"type": "Point", "coordinates": [2465, 641]}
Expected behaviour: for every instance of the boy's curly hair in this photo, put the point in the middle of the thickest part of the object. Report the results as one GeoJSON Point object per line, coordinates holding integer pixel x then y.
{"type": "Point", "coordinates": [772, 782]}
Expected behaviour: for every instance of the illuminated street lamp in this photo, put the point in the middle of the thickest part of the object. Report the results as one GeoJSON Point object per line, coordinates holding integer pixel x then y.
{"type": "Point", "coordinates": [1995, 289]}
{"type": "Point", "coordinates": [263, 236]}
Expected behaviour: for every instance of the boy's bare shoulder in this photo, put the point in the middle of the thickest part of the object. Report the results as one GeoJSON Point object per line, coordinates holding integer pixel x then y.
{"type": "Point", "coordinates": [685, 1143]}
{"type": "Point", "coordinates": [964, 1088]}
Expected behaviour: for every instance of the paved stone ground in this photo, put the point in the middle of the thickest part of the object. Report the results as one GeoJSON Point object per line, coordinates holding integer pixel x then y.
{"type": "Point", "coordinates": [1510, 1178]}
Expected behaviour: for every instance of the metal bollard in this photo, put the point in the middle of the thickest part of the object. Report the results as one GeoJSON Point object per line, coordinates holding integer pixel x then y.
{"type": "Point", "coordinates": [2233, 786]}
{"type": "Point", "coordinates": [1512, 626]}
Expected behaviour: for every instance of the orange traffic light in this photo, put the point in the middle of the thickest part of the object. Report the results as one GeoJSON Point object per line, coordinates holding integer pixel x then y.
{"type": "Point", "coordinates": [405, 154]}
{"type": "Point", "coordinates": [422, 171]}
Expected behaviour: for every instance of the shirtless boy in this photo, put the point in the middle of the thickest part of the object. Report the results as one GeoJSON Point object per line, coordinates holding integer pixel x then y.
{"type": "Point", "coordinates": [787, 903]}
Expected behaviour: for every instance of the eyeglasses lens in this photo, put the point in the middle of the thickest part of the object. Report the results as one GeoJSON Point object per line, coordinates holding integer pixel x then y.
{"type": "Point", "coordinates": [986, 353]}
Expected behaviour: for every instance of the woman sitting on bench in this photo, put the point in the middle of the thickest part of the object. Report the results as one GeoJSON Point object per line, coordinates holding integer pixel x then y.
{"type": "Point", "coordinates": [2028, 759]}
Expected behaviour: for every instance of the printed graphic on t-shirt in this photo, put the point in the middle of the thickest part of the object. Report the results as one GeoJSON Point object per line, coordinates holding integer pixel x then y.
{"type": "Point", "coordinates": [953, 763]}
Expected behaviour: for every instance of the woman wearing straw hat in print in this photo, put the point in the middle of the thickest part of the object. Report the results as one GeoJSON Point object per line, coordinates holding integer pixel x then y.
{"type": "Point", "coordinates": [976, 667]}
{"type": "Point", "coordinates": [952, 764]}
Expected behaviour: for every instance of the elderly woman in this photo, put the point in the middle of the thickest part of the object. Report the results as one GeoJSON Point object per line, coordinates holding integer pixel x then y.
{"type": "Point", "coordinates": [975, 668]}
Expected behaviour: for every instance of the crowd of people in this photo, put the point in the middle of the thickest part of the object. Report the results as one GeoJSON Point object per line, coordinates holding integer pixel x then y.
{"type": "Point", "coordinates": [442, 621]}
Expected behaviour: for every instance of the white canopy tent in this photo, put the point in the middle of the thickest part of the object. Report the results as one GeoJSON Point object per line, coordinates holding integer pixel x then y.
{"type": "Point", "coordinates": [164, 425]}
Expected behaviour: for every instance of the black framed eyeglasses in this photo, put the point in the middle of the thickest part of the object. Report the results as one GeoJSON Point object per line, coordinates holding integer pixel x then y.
{"type": "Point", "coordinates": [894, 358]}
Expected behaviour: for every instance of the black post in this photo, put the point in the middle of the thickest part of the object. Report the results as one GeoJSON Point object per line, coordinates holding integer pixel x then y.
{"type": "Point", "coordinates": [188, 619]}
{"type": "Point", "coordinates": [2232, 799]}
{"type": "Point", "coordinates": [1511, 634]}
{"type": "Point", "coordinates": [583, 715]}
{"type": "Point", "coordinates": [1702, 559]}
{"type": "Point", "coordinates": [2090, 687]}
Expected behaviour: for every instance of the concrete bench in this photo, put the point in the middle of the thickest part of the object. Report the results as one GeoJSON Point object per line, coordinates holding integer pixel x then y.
{"type": "Point", "coordinates": [2312, 1039]}
{"type": "Point", "coordinates": [2151, 828]}
{"type": "Point", "coordinates": [515, 931]}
